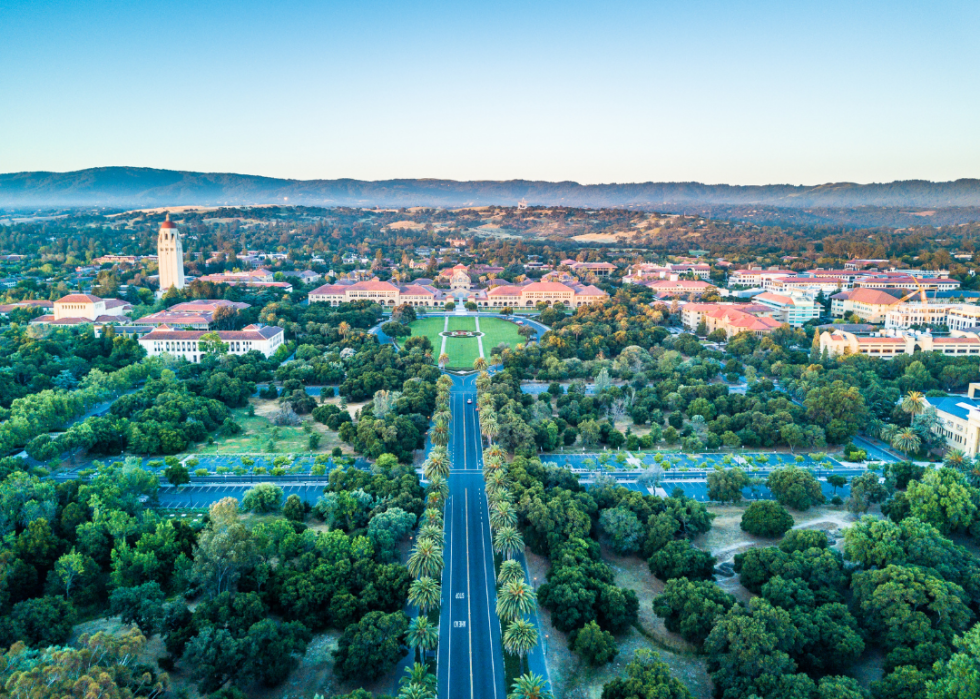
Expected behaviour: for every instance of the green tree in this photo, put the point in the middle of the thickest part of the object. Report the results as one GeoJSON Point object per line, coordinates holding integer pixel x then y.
{"type": "Point", "coordinates": [530, 686]}
{"type": "Point", "coordinates": [262, 498]}
{"type": "Point", "coordinates": [646, 678]}
{"type": "Point", "coordinates": [520, 637]}
{"type": "Point", "coordinates": [212, 344]}
{"type": "Point", "coordinates": [690, 608]}
{"type": "Point", "coordinates": [624, 530]}
{"type": "Point", "coordinates": [943, 499]}
{"type": "Point", "coordinates": [959, 677]}
{"type": "Point", "coordinates": [593, 645]}
{"type": "Point", "coordinates": [293, 509]}
{"type": "Point", "coordinates": [725, 485]}
{"type": "Point", "coordinates": [795, 487]}
{"type": "Point", "coordinates": [516, 599]}
{"type": "Point", "coordinates": [766, 518]}
{"type": "Point", "coordinates": [370, 648]}
{"type": "Point", "coordinates": [425, 593]}
{"type": "Point", "coordinates": [422, 636]}
{"type": "Point", "coordinates": [679, 559]}
{"type": "Point", "coordinates": [177, 475]}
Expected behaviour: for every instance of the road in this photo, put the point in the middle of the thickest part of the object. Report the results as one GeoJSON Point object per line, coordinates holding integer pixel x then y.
{"type": "Point", "coordinates": [470, 657]}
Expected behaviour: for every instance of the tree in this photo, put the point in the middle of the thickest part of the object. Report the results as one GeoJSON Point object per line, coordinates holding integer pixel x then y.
{"type": "Point", "coordinates": [593, 645]}
{"type": "Point", "coordinates": [422, 636]}
{"type": "Point", "coordinates": [68, 568]}
{"type": "Point", "coordinates": [766, 518]}
{"type": "Point", "coordinates": [426, 559]}
{"type": "Point", "coordinates": [836, 481]}
{"type": "Point", "coordinates": [943, 499]}
{"type": "Point", "coordinates": [225, 549]}
{"type": "Point", "coordinates": [530, 686]}
{"type": "Point", "coordinates": [624, 530]}
{"type": "Point", "coordinates": [177, 474]}
{"type": "Point", "coordinates": [262, 498]}
{"type": "Point", "coordinates": [38, 622]}
{"type": "Point", "coordinates": [212, 344]}
{"type": "Point", "coordinates": [725, 485]}
{"type": "Point", "coordinates": [679, 559]}
{"type": "Point", "coordinates": [690, 608]}
{"type": "Point", "coordinates": [795, 487]}
{"type": "Point", "coordinates": [646, 678]}
{"type": "Point", "coordinates": [865, 490]}
{"type": "Point", "coordinates": [959, 677]}
{"type": "Point", "coordinates": [425, 593]}
{"type": "Point", "coordinates": [142, 605]}
{"type": "Point", "coordinates": [370, 648]}
{"type": "Point", "coordinates": [914, 403]}
{"type": "Point", "coordinates": [839, 407]}
{"type": "Point", "coordinates": [516, 599]}
{"type": "Point", "coordinates": [293, 509]}
{"type": "Point", "coordinates": [907, 606]}
{"type": "Point", "coordinates": [907, 441]}
{"type": "Point", "coordinates": [519, 638]}
{"type": "Point", "coordinates": [508, 542]}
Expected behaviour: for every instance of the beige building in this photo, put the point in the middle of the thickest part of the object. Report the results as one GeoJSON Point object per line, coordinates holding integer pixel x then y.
{"type": "Point", "coordinates": [531, 294]}
{"type": "Point", "coordinates": [870, 305]}
{"type": "Point", "coordinates": [384, 293]}
{"type": "Point", "coordinates": [729, 318]}
{"type": "Point", "coordinates": [838, 343]}
{"type": "Point", "coordinates": [79, 309]}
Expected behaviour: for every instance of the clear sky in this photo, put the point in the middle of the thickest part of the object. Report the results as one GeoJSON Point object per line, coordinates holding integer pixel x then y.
{"type": "Point", "coordinates": [739, 92]}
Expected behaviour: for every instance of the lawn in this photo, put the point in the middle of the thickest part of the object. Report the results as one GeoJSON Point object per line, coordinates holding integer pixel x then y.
{"type": "Point", "coordinates": [464, 351]}
{"type": "Point", "coordinates": [258, 431]}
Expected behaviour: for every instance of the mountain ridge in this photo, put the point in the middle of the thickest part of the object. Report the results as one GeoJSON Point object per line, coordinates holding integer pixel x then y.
{"type": "Point", "coordinates": [121, 186]}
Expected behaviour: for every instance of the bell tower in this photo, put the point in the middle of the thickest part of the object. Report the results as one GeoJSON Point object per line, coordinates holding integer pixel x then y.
{"type": "Point", "coordinates": [170, 257]}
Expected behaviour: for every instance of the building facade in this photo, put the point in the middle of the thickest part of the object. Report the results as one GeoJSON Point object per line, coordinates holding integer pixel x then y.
{"type": "Point", "coordinates": [959, 420]}
{"type": "Point", "coordinates": [838, 343]}
{"type": "Point", "coordinates": [794, 310]}
{"type": "Point", "coordinates": [187, 343]}
{"type": "Point", "coordinates": [870, 305]}
{"type": "Point", "coordinates": [383, 293]}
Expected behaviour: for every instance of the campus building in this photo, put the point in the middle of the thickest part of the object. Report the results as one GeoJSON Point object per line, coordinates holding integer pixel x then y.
{"type": "Point", "coordinates": [187, 343]}
{"type": "Point", "coordinates": [191, 315]}
{"type": "Point", "coordinates": [253, 278]}
{"type": "Point", "coordinates": [838, 342]}
{"type": "Point", "coordinates": [870, 305]}
{"type": "Point", "coordinates": [530, 294]}
{"type": "Point", "coordinates": [384, 293]}
{"type": "Point", "coordinates": [794, 310]}
{"type": "Point", "coordinates": [959, 420]}
{"type": "Point", "coordinates": [730, 318]}
{"type": "Point", "coordinates": [80, 309]}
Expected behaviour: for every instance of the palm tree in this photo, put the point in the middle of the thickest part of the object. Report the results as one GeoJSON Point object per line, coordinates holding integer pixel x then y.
{"type": "Point", "coordinates": [480, 364]}
{"type": "Point", "coordinates": [426, 559]}
{"type": "Point", "coordinates": [502, 514]}
{"type": "Point", "coordinates": [433, 533]}
{"type": "Point", "coordinates": [440, 433]}
{"type": "Point", "coordinates": [415, 691]}
{"type": "Point", "coordinates": [418, 674]}
{"type": "Point", "coordinates": [443, 359]}
{"type": "Point", "coordinates": [508, 542]}
{"type": "Point", "coordinates": [422, 636]}
{"type": "Point", "coordinates": [510, 571]}
{"type": "Point", "coordinates": [496, 480]}
{"type": "Point", "coordinates": [489, 427]}
{"type": "Point", "coordinates": [519, 638]}
{"type": "Point", "coordinates": [907, 441]}
{"type": "Point", "coordinates": [437, 464]}
{"type": "Point", "coordinates": [955, 458]}
{"type": "Point", "coordinates": [887, 433]}
{"type": "Point", "coordinates": [530, 686]}
{"type": "Point", "coordinates": [914, 403]}
{"type": "Point", "coordinates": [438, 484]}
{"type": "Point", "coordinates": [425, 593]}
{"type": "Point", "coordinates": [344, 328]}
{"type": "Point", "coordinates": [495, 451]}
{"type": "Point", "coordinates": [802, 388]}
{"type": "Point", "coordinates": [431, 516]}
{"type": "Point", "coordinates": [516, 599]}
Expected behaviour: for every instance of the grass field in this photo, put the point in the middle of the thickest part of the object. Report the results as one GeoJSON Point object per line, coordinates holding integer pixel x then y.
{"type": "Point", "coordinates": [464, 351]}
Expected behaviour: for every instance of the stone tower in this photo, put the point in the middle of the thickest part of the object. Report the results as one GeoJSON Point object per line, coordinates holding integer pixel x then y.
{"type": "Point", "coordinates": [170, 257]}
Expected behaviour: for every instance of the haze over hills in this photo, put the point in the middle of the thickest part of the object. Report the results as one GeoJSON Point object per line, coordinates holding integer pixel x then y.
{"type": "Point", "coordinates": [145, 187]}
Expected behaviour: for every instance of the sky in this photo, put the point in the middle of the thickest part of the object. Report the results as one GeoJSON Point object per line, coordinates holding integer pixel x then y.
{"type": "Point", "coordinates": [743, 92]}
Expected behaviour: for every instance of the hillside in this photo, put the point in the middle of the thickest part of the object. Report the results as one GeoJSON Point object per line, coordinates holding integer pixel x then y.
{"type": "Point", "coordinates": [131, 187]}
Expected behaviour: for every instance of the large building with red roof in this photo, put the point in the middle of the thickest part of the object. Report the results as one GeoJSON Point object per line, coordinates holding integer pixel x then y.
{"type": "Point", "coordinates": [81, 309]}
{"type": "Point", "coordinates": [197, 314]}
{"type": "Point", "coordinates": [732, 319]}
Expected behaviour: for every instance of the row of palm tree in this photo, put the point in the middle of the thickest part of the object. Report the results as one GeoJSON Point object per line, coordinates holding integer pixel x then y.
{"type": "Point", "coordinates": [427, 561]}
{"type": "Point", "coordinates": [516, 598]}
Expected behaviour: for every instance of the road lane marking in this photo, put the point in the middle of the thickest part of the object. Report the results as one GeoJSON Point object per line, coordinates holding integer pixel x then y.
{"type": "Point", "coordinates": [469, 604]}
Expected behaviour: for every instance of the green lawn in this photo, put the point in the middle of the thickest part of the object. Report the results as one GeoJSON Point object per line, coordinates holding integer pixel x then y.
{"type": "Point", "coordinates": [257, 431]}
{"type": "Point", "coordinates": [496, 331]}
{"type": "Point", "coordinates": [464, 351]}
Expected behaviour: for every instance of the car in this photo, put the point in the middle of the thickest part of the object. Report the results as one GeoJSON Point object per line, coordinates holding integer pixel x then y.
{"type": "Point", "coordinates": [469, 401]}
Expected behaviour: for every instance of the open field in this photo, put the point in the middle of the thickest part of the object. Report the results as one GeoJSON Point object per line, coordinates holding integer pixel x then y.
{"type": "Point", "coordinates": [496, 331]}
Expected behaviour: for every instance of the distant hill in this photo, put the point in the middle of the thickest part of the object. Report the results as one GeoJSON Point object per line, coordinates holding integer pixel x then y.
{"type": "Point", "coordinates": [145, 187]}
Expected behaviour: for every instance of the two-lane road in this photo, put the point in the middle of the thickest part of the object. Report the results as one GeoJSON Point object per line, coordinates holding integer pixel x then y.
{"type": "Point", "coordinates": [470, 656]}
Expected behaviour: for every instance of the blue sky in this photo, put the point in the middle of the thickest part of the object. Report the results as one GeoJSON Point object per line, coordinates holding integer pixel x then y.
{"type": "Point", "coordinates": [736, 92]}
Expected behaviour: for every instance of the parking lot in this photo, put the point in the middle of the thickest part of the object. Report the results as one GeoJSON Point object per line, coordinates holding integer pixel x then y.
{"type": "Point", "coordinates": [201, 496]}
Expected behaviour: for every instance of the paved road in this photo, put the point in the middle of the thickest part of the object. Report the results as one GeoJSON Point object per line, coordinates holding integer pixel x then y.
{"type": "Point", "coordinates": [470, 658]}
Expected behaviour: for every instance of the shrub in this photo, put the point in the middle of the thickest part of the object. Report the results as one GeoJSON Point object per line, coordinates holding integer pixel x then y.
{"type": "Point", "coordinates": [766, 518]}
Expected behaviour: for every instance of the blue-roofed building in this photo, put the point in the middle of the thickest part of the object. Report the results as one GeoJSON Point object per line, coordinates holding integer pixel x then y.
{"type": "Point", "coordinates": [959, 418]}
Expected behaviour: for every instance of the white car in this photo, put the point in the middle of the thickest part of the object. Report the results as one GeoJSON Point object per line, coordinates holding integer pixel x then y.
{"type": "Point", "coordinates": [469, 401]}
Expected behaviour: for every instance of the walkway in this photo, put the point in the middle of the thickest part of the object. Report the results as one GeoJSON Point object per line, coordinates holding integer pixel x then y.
{"type": "Point", "coordinates": [479, 338]}
{"type": "Point", "coordinates": [445, 329]}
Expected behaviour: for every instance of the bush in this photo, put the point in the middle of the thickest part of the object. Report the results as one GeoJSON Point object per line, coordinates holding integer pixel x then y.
{"type": "Point", "coordinates": [678, 559]}
{"type": "Point", "coordinates": [265, 497]}
{"type": "Point", "coordinates": [766, 518]}
{"type": "Point", "coordinates": [795, 487]}
{"type": "Point", "coordinates": [593, 645]}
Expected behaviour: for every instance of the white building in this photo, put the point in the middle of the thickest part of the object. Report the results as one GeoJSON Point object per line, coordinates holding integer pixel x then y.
{"type": "Point", "coordinates": [794, 310]}
{"type": "Point", "coordinates": [959, 420]}
{"type": "Point", "coordinates": [957, 316]}
{"type": "Point", "coordinates": [170, 257]}
{"type": "Point", "coordinates": [187, 343]}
